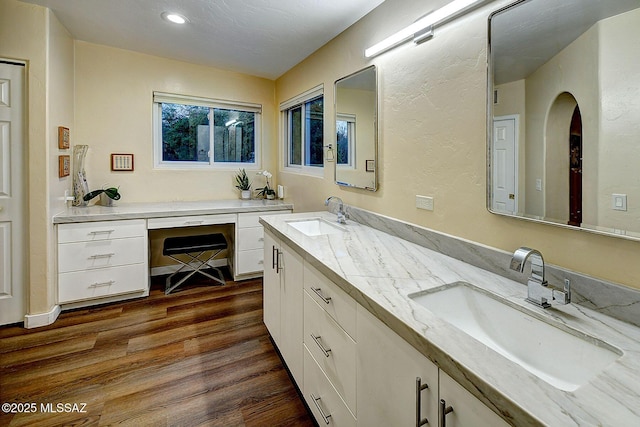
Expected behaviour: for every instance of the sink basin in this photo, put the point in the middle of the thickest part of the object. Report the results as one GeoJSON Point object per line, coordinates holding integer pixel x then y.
{"type": "Point", "coordinates": [316, 226]}
{"type": "Point", "coordinates": [564, 358]}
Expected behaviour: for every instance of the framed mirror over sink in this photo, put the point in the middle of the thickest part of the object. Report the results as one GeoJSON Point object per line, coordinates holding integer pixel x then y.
{"type": "Point", "coordinates": [356, 144]}
{"type": "Point", "coordinates": [564, 114]}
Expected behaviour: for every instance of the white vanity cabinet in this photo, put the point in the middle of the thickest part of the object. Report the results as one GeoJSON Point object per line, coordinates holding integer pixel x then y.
{"type": "Point", "coordinates": [250, 243]}
{"type": "Point", "coordinates": [356, 370]}
{"type": "Point", "coordinates": [100, 260]}
{"type": "Point", "coordinates": [396, 384]}
{"type": "Point", "coordinates": [283, 302]}
{"type": "Point", "coordinates": [330, 350]}
{"type": "Point", "coordinates": [392, 376]}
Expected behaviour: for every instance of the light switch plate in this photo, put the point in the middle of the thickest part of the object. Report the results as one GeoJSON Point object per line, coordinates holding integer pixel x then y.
{"type": "Point", "coordinates": [619, 202]}
{"type": "Point", "coordinates": [424, 202]}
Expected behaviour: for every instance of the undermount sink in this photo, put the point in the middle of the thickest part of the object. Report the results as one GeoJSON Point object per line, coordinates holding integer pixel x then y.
{"type": "Point", "coordinates": [316, 226]}
{"type": "Point", "coordinates": [564, 358]}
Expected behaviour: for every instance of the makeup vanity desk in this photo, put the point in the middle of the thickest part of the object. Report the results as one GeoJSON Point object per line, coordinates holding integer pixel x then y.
{"type": "Point", "coordinates": [103, 252]}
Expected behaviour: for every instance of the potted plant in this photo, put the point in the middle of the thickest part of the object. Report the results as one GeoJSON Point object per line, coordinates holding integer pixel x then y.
{"type": "Point", "coordinates": [267, 192]}
{"type": "Point", "coordinates": [107, 195]}
{"type": "Point", "coordinates": [243, 184]}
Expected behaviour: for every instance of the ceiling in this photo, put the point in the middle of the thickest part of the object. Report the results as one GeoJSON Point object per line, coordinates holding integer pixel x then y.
{"type": "Point", "coordinates": [525, 37]}
{"type": "Point", "coordinates": [263, 38]}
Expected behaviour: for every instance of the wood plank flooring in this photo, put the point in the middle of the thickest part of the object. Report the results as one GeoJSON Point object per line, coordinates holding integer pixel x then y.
{"type": "Point", "coordinates": [198, 357]}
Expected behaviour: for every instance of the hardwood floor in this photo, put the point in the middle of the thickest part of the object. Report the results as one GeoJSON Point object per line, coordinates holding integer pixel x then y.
{"type": "Point", "coordinates": [198, 357]}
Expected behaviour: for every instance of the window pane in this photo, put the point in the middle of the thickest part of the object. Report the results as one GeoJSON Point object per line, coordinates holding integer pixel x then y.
{"type": "Point", "coordinates": [314, 132]}
{"type": "Point", "coordinates": [234, 136]}
{"type": "Point", "coordinates": [295, 134]}
{"type": "Point", "coordinates": [342, 143]}
{"type": "Point", "coordinates": [185, 133]}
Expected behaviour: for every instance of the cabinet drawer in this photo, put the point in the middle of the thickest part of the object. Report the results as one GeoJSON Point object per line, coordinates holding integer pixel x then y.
{"type": "Point", "coordinates": [252, 219]}
{"type": "Point", "coordinates": [81, 285]}
{"type": "Point", "coordinates": [250, 261]}
{"type": "Point", "coordinates": [340, 306]}
{"type": "Point", "coordinates": [190, 221]}
{"type": "Point", "coordinates": [102, 230]}
{"type": "Point", "coordinates": [250, 238]}
{"type": "Point", "coordinates": [101, 253]}
{"type": "Point", "coordinates": [322, 333]}
{"type": "Point", "coordinates": [319, 393]}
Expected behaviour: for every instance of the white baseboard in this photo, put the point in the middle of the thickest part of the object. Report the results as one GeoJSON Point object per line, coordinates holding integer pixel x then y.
{"type": "Point", "coordinates": [42, 319]}
{"type": "Point", "coordinates": [168, 269]}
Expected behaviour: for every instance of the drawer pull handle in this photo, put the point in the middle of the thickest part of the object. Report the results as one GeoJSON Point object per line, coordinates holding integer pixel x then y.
{"type": "Point", "coordinates": [101, 232]}
{"type": "Point", "coordinates": [261, 239]}
{"type": "Point", "coordinates": [261, 262]}
{"type": "Point", "coordinates": [96, 256]}
{"type": "Point", "coordinates": [194, 222]}
{"type": "Point", "coordinates": [318, 292]}
{"type": "Point", "coordinates": [322, 414]}
{"type": "Point", "coordinates": [324, 350]}
{"type": "Point", "coordinates": [444, 410]}
{"type": "Point", "coordinates": [419, 387]}
{"type": "Point", "coordinates": [97, 285]}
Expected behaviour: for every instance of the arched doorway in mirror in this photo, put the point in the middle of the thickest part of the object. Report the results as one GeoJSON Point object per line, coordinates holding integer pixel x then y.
{"type": "Point", "coordinates": [575, 169]}
{"type": "Point", "coordinates": [563, 161]}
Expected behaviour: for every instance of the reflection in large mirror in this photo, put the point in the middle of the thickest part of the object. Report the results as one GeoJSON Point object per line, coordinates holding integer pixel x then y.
{"type": "Point", "coordinates": [356, 128]}
{"type": "Point", "coordinates": [564, 113]}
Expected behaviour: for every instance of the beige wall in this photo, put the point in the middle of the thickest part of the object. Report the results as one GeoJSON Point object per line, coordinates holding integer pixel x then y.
{"type": "Point", "coordinates": [113, 101]}
{"type": "Point", "coordinates": [619, 155]}
{"type": "Point", "coordinates": [439, 88]}
{"type": "Point", "coordinates": [32, 34]}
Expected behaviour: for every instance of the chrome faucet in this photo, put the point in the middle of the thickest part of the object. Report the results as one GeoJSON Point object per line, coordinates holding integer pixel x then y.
{"type": "Point", "coordinates": [342, 216]}
{"type": "Point", "coordinates": [539, 292]}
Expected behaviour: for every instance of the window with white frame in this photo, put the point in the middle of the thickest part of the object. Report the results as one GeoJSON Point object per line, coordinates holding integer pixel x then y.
{"type": "Point", "coordinates": [346, 138]}
{"type": "Point", "coordinates": [201, 132]}
{"type": "Point", "coordinates": [302, 126]}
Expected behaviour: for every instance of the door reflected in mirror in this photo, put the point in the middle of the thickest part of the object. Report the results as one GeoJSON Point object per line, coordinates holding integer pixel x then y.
{"type": "Point", "coordinates": [356, 106]}
{"type": "Point", "coordinates": [564, 114]}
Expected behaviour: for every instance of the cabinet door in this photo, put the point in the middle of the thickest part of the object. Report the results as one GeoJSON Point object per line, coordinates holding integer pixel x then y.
{"type": "Point", "coordinates": [271, 287]}
{"type": "Point", "coordinates": [386, 379]}
{"type": "Point", "coordinates": [291, 315]}
{"type": "Point", "coordinates": [466, 409]}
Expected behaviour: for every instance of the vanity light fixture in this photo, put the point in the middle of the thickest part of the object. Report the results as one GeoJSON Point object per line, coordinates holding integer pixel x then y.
{"type": "Point", "coordinates": [422, 29]}
{"type": "Point", "coordinates": [175, 18]}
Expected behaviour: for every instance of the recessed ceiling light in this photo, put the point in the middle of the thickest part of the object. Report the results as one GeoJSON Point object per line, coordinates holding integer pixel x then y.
{"type": "Point", "coordinates": [174, 17]}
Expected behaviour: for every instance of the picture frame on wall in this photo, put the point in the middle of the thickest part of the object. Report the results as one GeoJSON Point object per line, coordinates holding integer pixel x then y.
{"type": "Point", "coordinates": [121, 162]}
{"type": "Point", "coordinates": [370, 165]}
{"type": "Point", "coordinates": [63, 138]}
{"type": "Point", "coordinates": [64, 166]}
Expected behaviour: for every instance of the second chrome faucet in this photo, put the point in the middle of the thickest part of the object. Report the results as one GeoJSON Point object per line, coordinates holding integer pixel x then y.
{"type": "Point", "coordinates": [342, 216]}
{"type": "Point", "coordinates": [539, 292]}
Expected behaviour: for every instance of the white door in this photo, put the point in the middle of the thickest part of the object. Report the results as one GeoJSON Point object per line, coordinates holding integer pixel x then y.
{"type": "Point", "coordinates": [504, 165]}
{"type": "Point", "coordinates": [12, 194]}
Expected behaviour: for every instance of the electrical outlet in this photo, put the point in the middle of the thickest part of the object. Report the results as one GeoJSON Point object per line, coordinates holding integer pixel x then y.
{"type": "Point", "coordinates": [424, 202]}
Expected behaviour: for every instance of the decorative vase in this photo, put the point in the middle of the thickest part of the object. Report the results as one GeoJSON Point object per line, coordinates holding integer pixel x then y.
{"type": "Point", "coordinates": [80, 186]}
{"type": "Point", "coordinates": [271, 196]}
{"type": "Point", "coordinates": [245, 194]}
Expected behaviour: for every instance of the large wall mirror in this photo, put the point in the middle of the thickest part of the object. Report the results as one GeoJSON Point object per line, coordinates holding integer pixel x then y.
{"type": "Point", "coordinates": [356, 146]}
{"type": "Point", "coordinates": [564, 114]}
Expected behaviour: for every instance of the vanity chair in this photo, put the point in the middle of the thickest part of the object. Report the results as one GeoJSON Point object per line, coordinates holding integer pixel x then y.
{"type": "Point", "coordinates": [191, 248]}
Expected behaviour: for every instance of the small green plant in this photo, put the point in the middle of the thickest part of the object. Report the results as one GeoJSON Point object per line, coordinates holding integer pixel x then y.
{"type": "Point", "coordinates": [112, 192]}
{"type": "Point", "coordinates": [242, 181]}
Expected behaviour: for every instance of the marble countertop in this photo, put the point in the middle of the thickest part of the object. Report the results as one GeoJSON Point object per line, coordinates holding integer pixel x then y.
{"type": "Point", "coordinates": [166, 209]}
{"type": "Point", "coordinates": [380, 270]}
